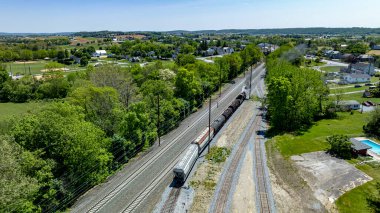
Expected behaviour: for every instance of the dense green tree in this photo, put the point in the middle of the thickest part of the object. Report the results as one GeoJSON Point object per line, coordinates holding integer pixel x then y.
{"type": "Point", "coordinates": [101, 106]}
{"type": "Point", "coordinates": [357, 48]}
{"type": "Point", "coordinates": [184, 59]}
{"type": "Point", "coordinates": [373, 126]}
{"type": "Point", "coordinates": [78, 147]}
{"type": "Point", "coordinates": [18, 189]}
{"type": "Point", "coordinates": [340, 146]}
{"type": "Point", "coordinates": [187, 85]}
{"type": "Point", "coordinates": [117, 78]}
{"type": "Point", "coordinates": [84, 61]}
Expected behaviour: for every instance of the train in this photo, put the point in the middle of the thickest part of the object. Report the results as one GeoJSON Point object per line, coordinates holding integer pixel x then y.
{"type": "Point", "coordinates": [191, 154]}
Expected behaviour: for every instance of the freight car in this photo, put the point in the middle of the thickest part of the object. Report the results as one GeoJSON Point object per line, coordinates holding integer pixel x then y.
{"type": "Point", "coordinates": [187, 161]}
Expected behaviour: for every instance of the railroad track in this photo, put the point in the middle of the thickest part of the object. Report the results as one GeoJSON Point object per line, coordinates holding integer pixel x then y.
{"type": "Point", "coordinates": [102, 202]}
{"type": "Point", "coordinates": [170, 203]}
{"type": "Point", "coordinates": [135, 174]}
{"type": "Point", "coordinates": [262, 190]}
{"type": "Point", "coordinates": [223, 194]}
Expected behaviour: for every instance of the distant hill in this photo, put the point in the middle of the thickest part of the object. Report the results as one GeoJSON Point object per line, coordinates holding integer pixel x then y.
{"type": "Point", "coordinates": [289, 31]}
{"type": "Point", "coordinates": [282, 31]}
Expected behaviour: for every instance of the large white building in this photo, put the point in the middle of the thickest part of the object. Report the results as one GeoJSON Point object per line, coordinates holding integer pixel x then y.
{"type": "Point", "coordinates": [356, 78]}
{"type": "Point", "coordinates": [99, 53]}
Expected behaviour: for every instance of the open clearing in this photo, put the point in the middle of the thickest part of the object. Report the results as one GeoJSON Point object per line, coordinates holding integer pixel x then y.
{"type": "Point", "coordinates": [328, 177]}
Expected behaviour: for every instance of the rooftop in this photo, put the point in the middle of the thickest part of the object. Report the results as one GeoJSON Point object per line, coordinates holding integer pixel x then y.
{"type": "Point", "coordinates": [350, 102]}
{"type": "Point", "coordinates": [357, 145]}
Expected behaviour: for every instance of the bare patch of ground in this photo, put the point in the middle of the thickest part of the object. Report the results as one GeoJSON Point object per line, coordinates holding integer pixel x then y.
{"type": "Point", "coordinates": [290, 191]}
{"type": "Point", "coordinates": [25, 62]}
{"type": "Point", "coordinates": [244, 196]}
{"type": "Point", "coordinates": [207, 174]}
{"type": "Point", "coordinates": [55, 70]}
{"type": "Point", "coordinates": [328, 177]}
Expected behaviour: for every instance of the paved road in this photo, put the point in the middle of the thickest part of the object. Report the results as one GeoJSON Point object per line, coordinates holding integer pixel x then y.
{"type": "Point", "coordinates": [131, 180]}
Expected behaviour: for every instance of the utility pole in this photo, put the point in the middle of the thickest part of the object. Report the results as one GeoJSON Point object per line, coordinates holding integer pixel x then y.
{"type": "Point", "coordinates": [209, 123]}
{"type": "Point", "coordinates": [250, 83]}
{"type": "Point", "coordinates": [158, 119]}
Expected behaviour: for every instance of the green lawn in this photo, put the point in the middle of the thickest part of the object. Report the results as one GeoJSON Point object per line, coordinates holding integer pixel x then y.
{"type": "Point", "coordinates": [355, 200]}
{"type": "Point", "coordinates": [331, 68]}
{"type": "Point", "coordinates": [314, 139]}
{"type": "Point", "coordinates": [346, 89]}
{"type": "Point", "coordinates": [358, 97]}
{"type": "Point", "coordinates": [8, 110]}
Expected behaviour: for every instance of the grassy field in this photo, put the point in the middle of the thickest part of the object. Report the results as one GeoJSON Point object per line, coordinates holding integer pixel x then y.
{"type": "Point", "coordinates": [8, 110]}
{"type": "Point", "coordinates": [35, 67]}
{"type": "Point", "coordinates": [331, 68]}
{"type": "Point", "coordinates": [359, 97]}
{"type": "Point", "coordinates": [314, 139]}
{"type": "Point", "coordinates": [21, 68]}
{"type": "Point", "coordinates": [346, 89]}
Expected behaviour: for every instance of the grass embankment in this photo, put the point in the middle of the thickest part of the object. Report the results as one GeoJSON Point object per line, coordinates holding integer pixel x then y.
{"type": "Point", "coordinates": [314, 140]}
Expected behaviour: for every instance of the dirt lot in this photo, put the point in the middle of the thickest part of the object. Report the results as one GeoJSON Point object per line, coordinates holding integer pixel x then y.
{"type": "Point", "coordinates": [207, 174]}
{"type": "Point", "coordinates": [328, 177]}
{"type": "Point", "coordinates": [290, 191]}
{"type": "Point", "coordinates": [244, 196]}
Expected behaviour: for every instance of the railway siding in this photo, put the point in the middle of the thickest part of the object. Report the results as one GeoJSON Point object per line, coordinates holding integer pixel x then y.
{"type": "Point", "coordinates": [222, 192]}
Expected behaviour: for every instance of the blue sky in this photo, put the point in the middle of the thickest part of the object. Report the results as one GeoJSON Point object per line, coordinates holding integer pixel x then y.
{"type": "Point", "coordinates": [163, 15]}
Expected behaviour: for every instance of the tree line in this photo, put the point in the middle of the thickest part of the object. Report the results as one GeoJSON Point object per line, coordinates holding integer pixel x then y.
{"type": "Point", "coordinates": [106, 116]}
{"type": "Point", "coordinates": [296, 96]}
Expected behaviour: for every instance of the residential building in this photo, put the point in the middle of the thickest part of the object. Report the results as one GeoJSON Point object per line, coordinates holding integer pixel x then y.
{"type": "Point", "coordinates": [348, 105]}
{"type": "Point", "coordinates": [99, 53]}
{"type": "Point", "coordinates": [228, 50]}
{"type": "Point", "coordinates": [356, 78]}
{"type": "Point", "coordinates": [363, 68]}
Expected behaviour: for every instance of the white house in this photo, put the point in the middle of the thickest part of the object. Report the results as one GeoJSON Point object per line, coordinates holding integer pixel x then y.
{"type": "Point", "coordinates": [357, 78]}
{"type": "Point", "coordinates": [376, 47]}
{"type": "Point", "coordinates": [99, 53]}
{"type": "Point", "coordinates": [347, 105]}
{"type": "Point", "coordinates": [228, 50]}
